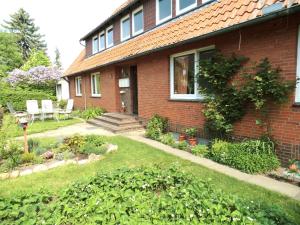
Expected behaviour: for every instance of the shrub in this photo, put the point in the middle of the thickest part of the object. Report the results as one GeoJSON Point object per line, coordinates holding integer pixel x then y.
{"type": "Point", "coordinates": [91, 113]}
{"type": "Point", "coordinates": [248, 156]}
{"type": "Point", "coordinates": [74, 143]}
{"type": "Point", "coordinates": [139, 196]}
{"type": "Point", "coordinates": [62, 104]}
{"type": "Point", "coordinates": [156, 126]}
{"type": "Point", "coordinates": [95, 139]}
{"type": "Point", "coordinates": [91, 148]}
{"type": "Point", "coordinates": [200, 150]}
{"type": "Point", "coordinates": [27, 158]}
{"type": "Point", "coordinates": [168, 139]}
{"type": "Point", "coordinates": [183, 145]}
{"type": "Point", "coordinates": [33, 144]}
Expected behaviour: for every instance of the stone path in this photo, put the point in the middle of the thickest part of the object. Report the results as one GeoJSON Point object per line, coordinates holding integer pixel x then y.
{"type": "Point", "coordinates": [260, 180]}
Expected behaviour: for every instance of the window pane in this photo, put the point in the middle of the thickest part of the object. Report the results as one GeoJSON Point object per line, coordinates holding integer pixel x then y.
{"type": "Point", "coordinates": [126, 28]}
{"type": "Point", "coordinates": [184, 74]}
{"type": "Point", "coordinates": [102, 41]}
{"type": "Point", "coordinates": [186, 3]}
{"type": "Point", "coordinates": [97, 84]}
{"type": "Point", "coordinates": [95, 45]}
{"type": "Point", "coordinates": [164, 9]}
{"type": "Point", "coordinates": [110, 37]}
{"type": "Point", "coordinates": [207, 54]}
{"type": "Point", "coordinates": [138, 21]}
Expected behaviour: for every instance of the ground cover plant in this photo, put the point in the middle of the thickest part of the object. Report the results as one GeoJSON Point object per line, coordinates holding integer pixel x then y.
{"type": "Point", "coordinates": [132, 154]}
{"type": "Point", "coordinates": [89, 113]}
{"type": "Point", "coordinates": [139, 196]}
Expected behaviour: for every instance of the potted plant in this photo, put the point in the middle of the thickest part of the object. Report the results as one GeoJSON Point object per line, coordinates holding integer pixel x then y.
{"type": "Point", "coordinates": [182, 137]}
{"type": "Point", "coordinates": [191, 133]}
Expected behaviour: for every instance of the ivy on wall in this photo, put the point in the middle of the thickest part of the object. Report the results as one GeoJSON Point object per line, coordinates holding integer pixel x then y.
{"type": "Point", "coordinates": [226, 102]}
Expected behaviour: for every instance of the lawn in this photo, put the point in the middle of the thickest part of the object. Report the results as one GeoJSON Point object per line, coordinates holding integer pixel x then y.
{"type": "Point", "coordinates": [13, 130]}
{"type": "Point", "coordinates": [132, 154]}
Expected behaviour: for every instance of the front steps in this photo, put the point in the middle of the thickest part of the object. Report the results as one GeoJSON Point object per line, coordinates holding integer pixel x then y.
{"type": "Point", "coordinates": [116, 122]}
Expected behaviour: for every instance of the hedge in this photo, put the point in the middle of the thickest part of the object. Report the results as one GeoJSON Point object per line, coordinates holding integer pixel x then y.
{"type": "Point", "coordinates": [18, 97]}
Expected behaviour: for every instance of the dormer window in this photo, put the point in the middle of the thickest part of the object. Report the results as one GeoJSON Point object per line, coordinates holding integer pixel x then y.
{"type": "Point", "coordinates": [125, 28]}
{"type": "Point", "coordinates": [95, 45]}
{"type": "Point", "coordinates": [183, 6]}
{"type": "Point", "coordinates": [138, 21]}
{"type": "Point", "coordinates": [110, 37]}
{"type": "Point", "coordinates": [163, 10]}
{"type": "Point", "coordinates": [102, 41]}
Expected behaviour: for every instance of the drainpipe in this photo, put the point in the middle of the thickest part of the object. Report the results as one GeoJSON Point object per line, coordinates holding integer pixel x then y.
{"type": "Point", "coordinates": [84, 91]}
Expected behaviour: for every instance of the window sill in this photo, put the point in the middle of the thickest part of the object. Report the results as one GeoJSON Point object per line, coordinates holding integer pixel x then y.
{"type": "Point", "coordinates": [296, 105]}
{"type": "Point", "coordinates": [78, 95]}
{"type": "Point", "coordinates": [96, 96]}
{"type": "Point", "coordinates": [185, 100]}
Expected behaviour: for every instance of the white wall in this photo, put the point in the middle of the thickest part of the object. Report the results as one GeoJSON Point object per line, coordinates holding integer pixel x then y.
{"type": "Point", "coordinates": [64, 90]}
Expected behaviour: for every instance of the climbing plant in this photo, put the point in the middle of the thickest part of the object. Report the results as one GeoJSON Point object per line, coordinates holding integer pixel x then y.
{"type": "Point", "coordinates": [226, 101]}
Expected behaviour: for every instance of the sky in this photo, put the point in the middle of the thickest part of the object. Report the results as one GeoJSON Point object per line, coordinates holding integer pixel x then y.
{"type": "Point", "coordinates": [63, 22]}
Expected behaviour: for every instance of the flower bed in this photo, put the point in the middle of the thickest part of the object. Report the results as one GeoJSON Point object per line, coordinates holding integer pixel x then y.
{"type": "Point", "coordinates": [139, 196]}
{"type": "Point", "coordinates": [46, 154]}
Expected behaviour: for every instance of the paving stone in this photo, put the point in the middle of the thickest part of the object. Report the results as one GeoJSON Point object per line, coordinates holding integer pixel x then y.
{"type": "Point", "coordinates": [94, 157]}
{"type": "Point", "coordinates": [71, 161]}
{"type": "Point", "coordinates": [39, 168]}
{"type": "Point", "coordinates": [14, 174]}
{"type": "Point", "coordinates": [55, 164]}
{"type": "Point", "coordinates": [4, 176]}
{"type": "Point", "coordinates": [83, 161]}
{"type": "Point", "coordinates": [26, 172]}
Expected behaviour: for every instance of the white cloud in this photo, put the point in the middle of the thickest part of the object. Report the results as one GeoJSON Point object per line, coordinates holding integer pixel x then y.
{"type": "Point", "coordinates": [63, 22]}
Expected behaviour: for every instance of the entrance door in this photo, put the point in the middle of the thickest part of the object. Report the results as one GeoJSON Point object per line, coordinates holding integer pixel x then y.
{"type": "Point", "coordinates": [134, 89]}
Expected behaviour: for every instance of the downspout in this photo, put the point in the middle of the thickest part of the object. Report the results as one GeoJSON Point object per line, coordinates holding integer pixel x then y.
{"type": "Point", "coordinates": [84, 88]}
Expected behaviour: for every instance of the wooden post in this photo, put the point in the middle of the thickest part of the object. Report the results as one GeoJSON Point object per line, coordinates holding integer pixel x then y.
{"type": "Point", "coordinates": [25, 139]}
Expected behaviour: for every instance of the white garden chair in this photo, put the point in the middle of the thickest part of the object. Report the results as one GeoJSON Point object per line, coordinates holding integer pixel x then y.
{"type": "Point", "coordinates": [33, 109]}
{"type": "Point", "coordinates": [68, 111]}
{"type": "Point", "coordinates": [47, 109]}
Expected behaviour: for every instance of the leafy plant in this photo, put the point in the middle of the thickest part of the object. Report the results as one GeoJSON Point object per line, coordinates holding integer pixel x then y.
{"type": "Point", "coordinates": [91, 113]}
{"type": "Point", "coordinates": [156, 126]}
{"type": "Point", "coordinates": [27, 158]}
{"type": "Point", "coordinates": [139, 196]}
{"type": "Point", "coordinates": [183, 145]}
{"type": "Point", "coordinates": [62, 104]}
{"type": "Point", "coordinates": [167, 139]}
{"type": "Point", "coordinates": [91, 148]}
{"type": "Point", "coordinates": [33, 144]}
{"type": "Point", "coordinates": [191, 132]}
{"type": "Point", "coordinates": [74, 143]}
{"type": "Point", "coordinates": [200, 150]}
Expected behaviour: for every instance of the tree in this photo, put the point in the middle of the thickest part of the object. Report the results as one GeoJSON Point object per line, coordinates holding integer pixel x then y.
{"type": "Point", "coordinates": [57, 61]}
{"type": "Point", "coordinates": [28, 33]}
{"type": "Point", "coordinates": [37, 58]}
{"type": "Point", "coordinates": [10, 53]}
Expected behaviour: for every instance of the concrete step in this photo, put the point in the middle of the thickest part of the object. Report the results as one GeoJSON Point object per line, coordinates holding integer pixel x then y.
{"type": "Point", "coordinates": [116, 128]}
{"type": "Point", "coordinates": [118, 116]}
{"type": "Point", "coordinates": [117, 122]}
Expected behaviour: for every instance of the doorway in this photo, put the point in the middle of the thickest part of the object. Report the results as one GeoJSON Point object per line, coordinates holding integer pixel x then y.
{"type": "Point", "coordinates": [134, 90]}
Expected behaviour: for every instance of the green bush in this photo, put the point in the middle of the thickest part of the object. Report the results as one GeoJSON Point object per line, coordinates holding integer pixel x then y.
{"type": "Point", "coordinates": [62, 104]}
{"type": "Point", "coordinates": [168, 139]}
{"type": "Point", "coordinates": [200, 150]}
{"type": "Point", "coordinates": [74, 143]}
{"type": "Point", "coordinates": [18, 97]}
{"type": "Point", "coordinates": [156, 126]}
{"type": "Point", "coordinates": [33, 144]}
{"type": "Point", "coordinates": [183, 145]}
{"type": "Point", "coordinates": [139, 196]}
{"type": "Point", "coordinates": [95, 139]}
{"type": "Point", "coordinates": [91, 113]}
{"type": "Point", "coordinates": [28, 158]}
{"type": "Point", "coordinates": [253, 156]}
{"type": "Point", "coordinates": [94, 144]}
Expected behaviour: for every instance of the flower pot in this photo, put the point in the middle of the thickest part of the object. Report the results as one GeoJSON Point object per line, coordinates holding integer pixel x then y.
{"type": "Point", "coordinates": [293, 168]}
{"type": "Point", "coordinates": [193, 141]}
{"type": "Point", "coordinates": [182, 137]}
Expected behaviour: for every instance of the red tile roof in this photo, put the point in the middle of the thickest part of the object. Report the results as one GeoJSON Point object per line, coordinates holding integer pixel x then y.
{"type": "Point", "coordinates": [217, 16]}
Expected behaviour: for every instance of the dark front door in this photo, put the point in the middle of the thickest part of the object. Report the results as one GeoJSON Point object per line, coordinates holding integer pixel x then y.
{"type": "Point", "coordinates": [134, 89]}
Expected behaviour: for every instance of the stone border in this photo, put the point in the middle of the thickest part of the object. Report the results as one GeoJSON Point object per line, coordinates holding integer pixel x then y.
{"type": "Point", "coordinates": [54, 164]}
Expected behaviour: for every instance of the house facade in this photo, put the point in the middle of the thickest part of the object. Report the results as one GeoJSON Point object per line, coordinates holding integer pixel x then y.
{"type": "Point", "coordinates": [143, 59]}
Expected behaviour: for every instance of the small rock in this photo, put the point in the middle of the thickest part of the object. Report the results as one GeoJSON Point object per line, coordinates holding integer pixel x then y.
{"type": "Point", "coordinates": [14, 174]}
{"type": "Point", "coordinates": [48, 155]}
{"type": "Point", "coordinates": [83, 161]}
{"type": "Point", "coordinates": [26, 172]}
{"type": "Point", "coordinates": [4, 176]}
{"type": "Point", "coordinates": [94, 157]}
{"type": "Point", "coordinates": [39, 168]}
{"type": "Point", "coordinates": [112, 148]}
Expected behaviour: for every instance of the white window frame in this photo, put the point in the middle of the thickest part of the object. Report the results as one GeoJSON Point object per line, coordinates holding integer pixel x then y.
{"type": "Point", "coordinates": [95, 51]}
{"type": "Point", "coordinates": [101, 34]}
{"type": "Point", "coordinates": [92, 80]}
{"type": "Point", "coordinates": [297, 98]}
{"type": "Point", "coordinates": [127, 17]}
{"type": "Point", "coordinates": [157, 13]}
{"type": "Point", "coordinates": [196, 95]}
{"type": "Point", "coordinates": [78, 94]}
{"type": "Point", "coordinates": [178, 11]}
{"type": "Point", "coordinates": [134, 33]}
{"type": "Point", "coordinates": [107, 29]}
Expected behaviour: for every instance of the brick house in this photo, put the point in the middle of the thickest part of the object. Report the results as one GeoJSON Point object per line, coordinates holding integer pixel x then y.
{"type": "Point", "coordinates": [142, 59]}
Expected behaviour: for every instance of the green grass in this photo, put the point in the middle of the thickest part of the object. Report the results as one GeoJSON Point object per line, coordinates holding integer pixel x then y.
{"type": "Point", "coordinates": [13, 130]}
{"type": "Point", "coordinates": [133, 154]}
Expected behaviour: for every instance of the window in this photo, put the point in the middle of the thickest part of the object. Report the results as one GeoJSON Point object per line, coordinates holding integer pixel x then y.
{"type": "Point", "coordinates": [102, 41]}
{"type": "Point", "coordinates": [183, 70]}
{"type": "Point", "coordinates": [298, 69]}
{"type": "Point", "coordinates": [78, 86]}
{"type": "Point", "coordinates": [138, 21]}
{"type": "Point", "coordinates": [109, 36]}
{"type": "Point", "coordinates": [95, 84]}
{"type": "Point", "coordinates": [163, 10]}
{"type": "Point", "coordinates": [95, 45]}
{"type": "Point", "coordinates": [125, 28]}
{"type": "Point", "coordinates": [185, 5]}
